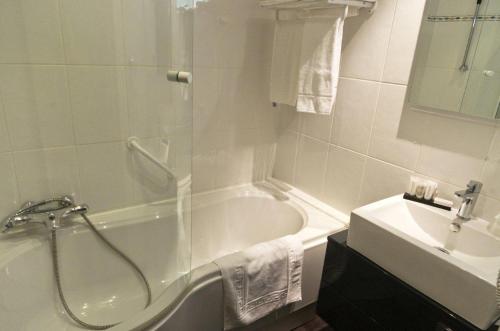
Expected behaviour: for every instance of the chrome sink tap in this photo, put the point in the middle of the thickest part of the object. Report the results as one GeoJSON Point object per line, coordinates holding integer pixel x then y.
{"type": "Point", "coordinates": [469, 199]}
{"type": "Point", "coordinates": [30, 212]}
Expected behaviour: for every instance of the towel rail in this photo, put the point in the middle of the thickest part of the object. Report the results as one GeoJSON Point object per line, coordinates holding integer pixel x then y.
{"type": "Point", "coordinates": [310, 5]}
{"type": "Point", "coordinates": [317, 4]}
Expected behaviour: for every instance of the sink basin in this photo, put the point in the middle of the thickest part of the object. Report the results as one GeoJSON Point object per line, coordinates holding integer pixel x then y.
{"type": "Point", "coordinates": [413, 242]}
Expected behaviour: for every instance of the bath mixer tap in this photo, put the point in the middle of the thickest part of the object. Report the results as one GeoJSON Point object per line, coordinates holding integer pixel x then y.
{"type": "Point", "coordinates": [29, 212]}
{"type": "Point", "coordinates": [75, 211]}
{"type": "Point", "coordinates": [469, 199]}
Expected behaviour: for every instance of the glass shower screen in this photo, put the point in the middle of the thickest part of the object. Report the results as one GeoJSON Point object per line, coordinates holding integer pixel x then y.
{"type": "Point", "coordinates": [87, 112]}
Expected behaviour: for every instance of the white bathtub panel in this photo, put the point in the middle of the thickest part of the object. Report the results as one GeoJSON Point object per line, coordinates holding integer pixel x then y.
{"type": "Point", "coordinates": [314, 257]}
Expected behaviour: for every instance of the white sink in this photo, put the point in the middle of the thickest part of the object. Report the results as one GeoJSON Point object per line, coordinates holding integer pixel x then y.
{"type": "Point", "coordinates": [413, 242]}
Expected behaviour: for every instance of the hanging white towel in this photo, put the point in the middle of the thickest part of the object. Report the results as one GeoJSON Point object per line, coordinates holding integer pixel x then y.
{"type": "Point", "coordinates": [261, 279]}
{"type": "Point", "coordinates": [306, 61]}
{"type": "Point", "coordinates": [286, 61]}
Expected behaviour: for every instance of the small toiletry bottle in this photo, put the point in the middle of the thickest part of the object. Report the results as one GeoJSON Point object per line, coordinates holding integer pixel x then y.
{"type": "Point", "coordinates": [430, 190]}
{"type": "Point", "coordinates": [417, 187]}
{"type": "Point", "coordinates": [412, 188]}
{"type": "Point", "coordinates": [494, 227]}
{"type": "Point", "coordinates": [420, 191]}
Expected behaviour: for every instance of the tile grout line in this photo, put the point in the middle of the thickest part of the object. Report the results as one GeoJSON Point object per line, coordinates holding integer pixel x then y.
{"type": "Point", "coordinates": [10, 152]}
{"type": "Point", "coordinates": [329, 147]}
{"type": "Point", "coordinates": [389, 41]}
{"type": "Point", "coordinates": [69, 99]}
{"type": "Point", "coordinates": [296, 157]}
{"type": "Point", "coordinates": [124, 73]}
{"type": "Point", "coordinates": [370, 140]}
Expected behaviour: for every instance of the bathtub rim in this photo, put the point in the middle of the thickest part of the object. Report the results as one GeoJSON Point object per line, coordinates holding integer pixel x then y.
{"type": "Point", "coordinates": [210, 272]}
{"type": "Point", "coordinates": [176, 293]}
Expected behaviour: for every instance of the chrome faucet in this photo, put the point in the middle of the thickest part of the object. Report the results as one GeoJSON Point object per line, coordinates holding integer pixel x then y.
{"type": "Point", "coordinates": [29, 212]}
{"type": "Point", "coordinates": [469, 199]}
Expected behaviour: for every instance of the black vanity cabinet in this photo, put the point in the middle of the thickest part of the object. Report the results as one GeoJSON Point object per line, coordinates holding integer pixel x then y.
{"type": "Point", "coordinates": [358, 295]}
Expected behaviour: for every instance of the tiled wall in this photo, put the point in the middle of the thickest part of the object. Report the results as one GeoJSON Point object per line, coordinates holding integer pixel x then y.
{"type": "Point", "coordinates": [79, 77]}
{"type": "Point", "coordinates": [234, 131]}
{"type": "Point", "coordinates": [76, 79]}
{"type": "Point", "coordinates": [370, 147]}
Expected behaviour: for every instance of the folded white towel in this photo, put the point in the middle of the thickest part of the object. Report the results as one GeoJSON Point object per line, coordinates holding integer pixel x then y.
{"type": "Point", "coordinates": [261, 279]}
{"type": "Point", "coordinates": [306, 62]}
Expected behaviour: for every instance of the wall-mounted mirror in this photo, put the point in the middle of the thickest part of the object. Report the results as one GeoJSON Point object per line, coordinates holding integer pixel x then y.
{"type": "Point", "coordinates": [457, 60]}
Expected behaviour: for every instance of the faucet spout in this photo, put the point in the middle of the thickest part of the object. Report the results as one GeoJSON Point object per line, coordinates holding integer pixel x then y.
{"type": "Point", "coordinates": [13, 221]}
{"type": "Point", "coordinates": [469, 199]}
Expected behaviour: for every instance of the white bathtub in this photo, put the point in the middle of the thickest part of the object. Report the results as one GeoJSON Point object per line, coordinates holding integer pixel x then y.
{"type": "Point", "coordinates": [98, 286]}
{"type": "Point", "coordinates": [104, 290]}
{"type": "Point", "coordinates": [228, 220]}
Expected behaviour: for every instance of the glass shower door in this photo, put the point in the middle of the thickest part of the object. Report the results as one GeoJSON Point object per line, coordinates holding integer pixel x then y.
{"type": "Point", "coordinates": [87, 113]}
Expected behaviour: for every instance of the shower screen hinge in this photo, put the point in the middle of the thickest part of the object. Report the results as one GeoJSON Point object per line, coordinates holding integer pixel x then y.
{"type": "Point", "coordinates": [180, 76]}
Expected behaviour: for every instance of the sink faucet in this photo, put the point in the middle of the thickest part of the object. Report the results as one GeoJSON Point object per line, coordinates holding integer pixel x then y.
{"type": "Point", "coordinates": [469, 199]}
{"type": "Point", "coordinates": [29, 211]}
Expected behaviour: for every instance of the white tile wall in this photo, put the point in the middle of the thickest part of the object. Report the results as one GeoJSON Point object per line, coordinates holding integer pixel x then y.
{"type": "Point", "coordinates": [148, 100]}
{"type": "Point", "coordinates": [286, 152]}
{"type": "Point", "coordinates": [365, 43]}
{"type": "Point", "coordinates": [343, 182]}
{"type": "Point", "coordinates": [93, 31]}
{"type": "Point", "coordinates": [319, 127]}
{"type": "Point", "coordinates": [311, 164]}
{"type": "Point", "coordinates": [385, 144]}
{"type": "Point", "coordinates": [76, 79]}
{"type": "Point", "coordinates": [36, 106]}
{"type": "Point", "coordinates": [50, 170]}
{"type": "Point", "coordinates": [9, 197]}
{"type": "Point", "coordinates": [98, 67]}
{"type": "Point", "coordinates": [105, 182]}
{"type": "Point", "coordinates": [354, 110]}
{"type": "Point", "coordinates": [98, 102]}
{"type": "Point", "coordinates": [141, 37]}
{"type": "Point", "coordinates": [375, 145]}
{"type": "Point", "coordinates": [95, 74]}
{"type": "Point", "coordinates": [4, 135]}
{"type": "Point", "coordinates": [382, 180]}
{"type": "Point", "coordinates": [30, 32]}
{"type": "Point", "coordinates": [234, 134]}
{"type": "Point", "coordinates": [403, 41]}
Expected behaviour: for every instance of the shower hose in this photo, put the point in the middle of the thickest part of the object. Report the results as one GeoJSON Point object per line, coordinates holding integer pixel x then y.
{"type": "Point", "coordinates": [498, 290]}
{"type": "Point", "coordinates": [58, 275]}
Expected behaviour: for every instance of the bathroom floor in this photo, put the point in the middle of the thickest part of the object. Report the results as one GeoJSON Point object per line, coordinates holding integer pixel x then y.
{"type": "Point", "coordinates": [317, 324]}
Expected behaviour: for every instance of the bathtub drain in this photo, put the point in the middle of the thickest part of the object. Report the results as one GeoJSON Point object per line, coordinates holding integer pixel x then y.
{"type": "Point", "coordinates": [57, 275]}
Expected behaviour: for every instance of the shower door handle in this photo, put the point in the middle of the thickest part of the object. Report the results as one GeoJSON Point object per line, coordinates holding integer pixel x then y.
{"type": "Point", "coordinates": [184, 77]}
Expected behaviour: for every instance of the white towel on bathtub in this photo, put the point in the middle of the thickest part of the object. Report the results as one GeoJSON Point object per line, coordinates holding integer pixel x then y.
{"type": "Point", "coordinates": [261, 279]}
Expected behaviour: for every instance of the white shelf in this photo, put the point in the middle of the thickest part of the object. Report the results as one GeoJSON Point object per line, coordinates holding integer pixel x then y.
{"type": "Point", "coordinates": [317, 4]}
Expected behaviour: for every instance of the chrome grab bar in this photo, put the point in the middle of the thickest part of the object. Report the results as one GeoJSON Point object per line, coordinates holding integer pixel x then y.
{"type": "Point", "coordinates": [134, 145]}
{"type": "Point", "coordinates": [465, 67]}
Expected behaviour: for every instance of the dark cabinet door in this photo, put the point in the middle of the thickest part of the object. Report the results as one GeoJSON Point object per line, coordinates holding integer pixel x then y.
{"type": "Point", "coordinates": [356, 294]}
